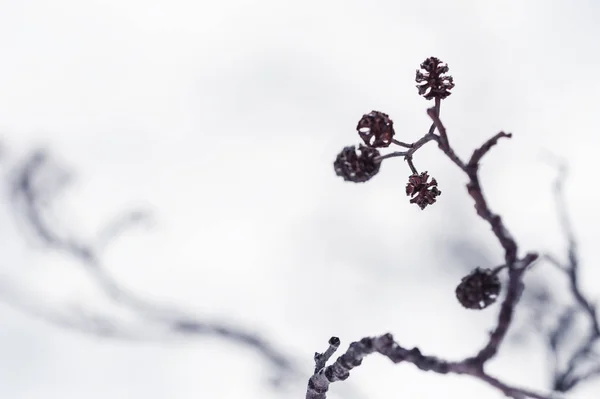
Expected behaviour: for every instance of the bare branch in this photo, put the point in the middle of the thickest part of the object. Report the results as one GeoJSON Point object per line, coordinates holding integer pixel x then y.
{"type": "Point", "coordinates": [89, 257]}
{"type": "Point", "coordinates": [433, 83]}
{"type": "Point", "coordinates": [513, 294]}
{"type": "Point", "coordinates": [318, 384]}
{"type": "Point", "coordinates": [401, 143]}
{"type": "Point", "coordinates": [515, 285]}
{"type": "Point", "coordinates": [572, 268]}
{"type": "Point", "coordinates": [567, 379]}
{"type": "Point", "coordinates": [516, 268]}
{"type": "Point", "coordinates": [552, 259]}
{"type": "Point", "coordinates": [120, 224]}
{"type": "Point", "coordinates": [513, 392]}
{"type": "Point", "coordinates": [413, 148]}
{"type": "Point", "coordinates": [321, 359]}
{"type": "Point", "coordinates": [443, 136]}
{"type": "Point", "coordinates": [474, 188]}
{"type": "Point", "coordinates": [481, 151]}
{"type": "Point", "coordinates": [411, 165]}
{"type": "Point", "coordinates": [408, 155]}
{"type": "Point", "coordinates": [444, 146]}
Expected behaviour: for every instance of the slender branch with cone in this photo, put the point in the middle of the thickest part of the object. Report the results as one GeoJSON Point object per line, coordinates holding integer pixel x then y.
{"type": "Point", "coordinates": [479, 289]}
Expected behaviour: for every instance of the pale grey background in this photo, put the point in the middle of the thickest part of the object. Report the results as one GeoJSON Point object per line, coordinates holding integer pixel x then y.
{"type": "Point", "coordinates": [224, 118]}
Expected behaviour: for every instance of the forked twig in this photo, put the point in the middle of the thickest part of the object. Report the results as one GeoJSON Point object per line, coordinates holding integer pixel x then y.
{"type": "Point", "coordinates": [434, 84]}
{"type": "Point", "coordinates": [31, 207]}
{"type": "Point", "coordinates": [567, 379]}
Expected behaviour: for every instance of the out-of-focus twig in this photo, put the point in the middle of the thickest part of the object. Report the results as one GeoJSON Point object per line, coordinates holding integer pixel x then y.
{"type": "Point", "coordinates": [29, 207]}
{"type": "Point", "coordinates": [571, 375]}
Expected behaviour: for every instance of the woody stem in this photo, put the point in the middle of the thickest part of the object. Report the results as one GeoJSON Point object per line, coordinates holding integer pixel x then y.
{"type": "Point", "coordinates": [411, 165]}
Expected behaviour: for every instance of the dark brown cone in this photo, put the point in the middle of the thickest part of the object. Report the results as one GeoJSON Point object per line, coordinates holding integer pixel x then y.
{"type": "Point", "coordinates": [422, 192]}
{"type": "Point", "coordinates": [479, 289]}
{"type": "Point", "coordinates": [433, 83]}
{"type": "Point", "coordinates": [376, 129]}
{"type": "Point", "coordinates": [357, 166]}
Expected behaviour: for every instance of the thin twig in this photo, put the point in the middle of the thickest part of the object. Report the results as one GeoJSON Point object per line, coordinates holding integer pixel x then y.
{"type": "Point", "coordinates": [422, 141]}
{"type": "Point", "coordinates": [573, 266]}
{"type": "Point", "coordinates": [408, 156]}
{"type": "Point", "coordinates": [318, 384]}
{"type": "Point", "coordinates": [555, 262]}
{"type": "Point", "coordinates": [515, 285]}
{"type": "Point", "coordinates": [474, 189]}
{"type": "Point", "coordinates": [474, 366]}
{"type": "Point", "coordinates": [412, 166]}
{"type": "Point", "coordinates": [414, 147]}
{"type": "Point", "coordinates": [321, 359]}
{"type": "Point", "coordinates": [567, 379]}
{"type": "Point", "coordinates": [513, 294]}
{"type": "Point", "coordinates": [391, 155]}
{"type": "Point", "coordinates": [442, 131]}
{"type": "Point", "coordinates": [401, 143]}
{"type": "Point", "coordinates": [443, 135]}
{"type": "Point", "coordinates": [481, 151]}
{"type": "Point", "coordinates": [27, 202]}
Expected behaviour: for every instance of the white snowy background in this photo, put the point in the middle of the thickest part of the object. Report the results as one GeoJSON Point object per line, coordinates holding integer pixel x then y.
{"type": "Point", "coordinates": [223, 119]}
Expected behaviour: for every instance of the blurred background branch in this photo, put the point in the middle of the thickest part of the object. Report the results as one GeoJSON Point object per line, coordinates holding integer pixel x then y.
{"type": "Point", "coordinates": [35, 184]}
